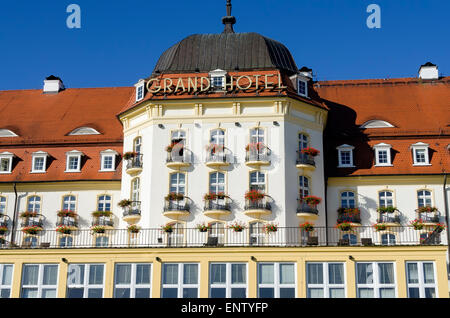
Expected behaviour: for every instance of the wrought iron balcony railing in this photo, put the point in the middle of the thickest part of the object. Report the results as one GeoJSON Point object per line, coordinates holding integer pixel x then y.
{"type": "Point", "coordinates": [305, 159]}
{"type": "Point", "coordinates": [259, 204]}
{"type": "Point", "coordinates": [133, 209]}
{"type": "Point", "coordinates": [176, 205]}
{"type": "Point", "coordinates": [103, 221]}
{"type": "Point", "coordinates": [134, 162]}
{"type": "Point", "coordinates": [257, 155]}
{"type": "Point", "coordinates": [304, 207]}
{"type": "Point", "coordinates": [218, 204]}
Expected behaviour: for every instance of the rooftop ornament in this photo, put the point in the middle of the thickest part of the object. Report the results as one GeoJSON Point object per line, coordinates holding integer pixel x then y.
{"type": "Point", "coordinates": [229, 20]}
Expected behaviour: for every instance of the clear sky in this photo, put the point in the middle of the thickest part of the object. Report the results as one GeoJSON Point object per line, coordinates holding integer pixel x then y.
{"type": "Point", "coordinates": [119, 42]}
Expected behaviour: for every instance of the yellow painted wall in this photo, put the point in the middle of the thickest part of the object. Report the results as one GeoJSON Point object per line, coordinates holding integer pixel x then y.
{"type": "Point", "coordinates": [203, 256]}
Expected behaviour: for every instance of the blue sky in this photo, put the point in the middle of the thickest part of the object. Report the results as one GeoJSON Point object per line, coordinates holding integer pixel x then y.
{"type": "Point", "coordinates": [121, 41]}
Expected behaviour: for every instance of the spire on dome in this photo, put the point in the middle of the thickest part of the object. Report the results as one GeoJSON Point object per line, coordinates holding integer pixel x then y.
{"type": "Point", "coordinates": [229, 20]}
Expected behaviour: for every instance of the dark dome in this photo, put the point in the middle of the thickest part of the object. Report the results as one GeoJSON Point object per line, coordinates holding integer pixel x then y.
{"type": "Point", "coordinates": [226, 51]}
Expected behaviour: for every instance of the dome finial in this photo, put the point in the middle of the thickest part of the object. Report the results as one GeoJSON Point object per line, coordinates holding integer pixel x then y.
{"type": "Point", "coordinates": [229, 20]}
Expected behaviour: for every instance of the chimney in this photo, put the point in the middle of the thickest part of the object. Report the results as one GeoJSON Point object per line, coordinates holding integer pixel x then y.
{"type": "Point", "coordinates": [428, 71]}
{"type": "Point", "coordinates": [53, 84]}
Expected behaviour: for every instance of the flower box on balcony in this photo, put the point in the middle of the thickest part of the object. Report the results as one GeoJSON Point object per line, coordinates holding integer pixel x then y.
{"type": "Point", "coordinates": [174, 145]}
{"type": "Point", "coordinates": [254, 195]}
{"type": "Point", "coordinates": [63, 229]}
{"type": "Point", "coordinates": [308, 227]}
{"type": "Point", "coordinates": [214, 148]}
{"type": "Point", "coordinates": [66, 213]}
{"type": "Point", "coordinates": [439, 227]}
{"type": "Point", "coordinates": [174, 197]}
{"type": "Point", "coordinates": [167, 228]}
{"type": "Point", "coordinates": [32, 229]}
{"type": "Point", "coordinates": [214, 196]}
{"type": "Point", "coordinates": [387, 209]}
{"type": "Point", "coordinates": [28, 214]}
{"type": "Point", "coordinates": [130, 155]}
{"type": "Point", "coordinates": [134, 229]}
{"type": "Point", "coordinates": [424, 209]}
{"type": "Point", "coordinates": [203, 227]}
{"type": "Point", "coordinates": [270, 228]}
{"type": "Point", "coordinates": [344, 226]}
{"type": "Point", "coordinates": [124, 203]}
{"type": "Point", "coordinates": [256, 146]}
{"type": "Point", "coordinates": [3, 230]}
{"type": "Point", "coordinates": [349, 211]}
{"type": "Point", "coordinates": [379, 227]}
{"type": "Point", "coordinates": [98, 229]}
{"type": "Point", "coordinates": [237, 226]}
{"type": "Point", "coordinates": [101, 213]}
{"type": "Point", "coordinates": [417, 224]}
{"type": "Point", "coordinates": [310, 151]}
{"type": "Point", "coordinates": [311, 200]}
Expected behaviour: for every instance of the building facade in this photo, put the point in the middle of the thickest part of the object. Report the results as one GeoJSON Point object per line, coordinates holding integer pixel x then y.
{"type": "Point", "coordinates": [228, 172]}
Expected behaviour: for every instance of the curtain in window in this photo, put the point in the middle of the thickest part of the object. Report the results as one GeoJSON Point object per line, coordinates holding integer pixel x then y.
{"type": "Point", "coordinates": [50, 275]}
{"type": "Point", "coordinates": [30, 275]}
{"type": "Point", "coordinates": [7, 274]}
{"type": "Point", "coordinates": [170, 274]}
{"type": "Point", "coordinates": [386, 273]}
{"type": "Point", "coordinates": [142, 274]}
{"type": "Point", "coordinates": [315, 273]}
{"type": "Point", "coordinates": [428, 273]}
{"type": "Point", "coordinates": [365, 293]}
{"type": "Point", "coordinates": [413, 274]}
{"type": "Point", "coordinates": [190, 275]}
{"type": "Point", "coordinates": [266, 273]}
{"type": "Point", "coordinates": [337, 293]}
{"type": "Point", "coordinates": [315, 293]}
{"type": "Point", "coordinates": [387, 293]}
{"type": "Point", "coordinates": [365, 273]}
{"type": "Point", "coordinates": [287, 274]}
{"type": "Point", "coordinates": [238, 273]}
{"type": "Point", "coordinates": [218, 274]}
{"type": "Point", "coordinates": [336, 273]}
{"type": "Point", "coordinates": [75, 274]}
{"type": "Point", "coordinates": [96, 275]}
{"type": "Point", "coordinates": [123, 274]}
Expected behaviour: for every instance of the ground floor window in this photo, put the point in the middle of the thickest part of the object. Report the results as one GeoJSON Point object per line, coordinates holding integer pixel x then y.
{"type": "Point", "coordinates": [132, 280]}
{"type": "Point", "coordinates": [276, 280]}
{"type": "Point", "coordinates": [375, 280]}
{"type": "Point", "coordinates": [6, 271]}
{"type": "Point", "coordinates": [39, 281]}
{"type": "Point", "coordinates": [85, 280]}
{"type": "Point", "coordinates": [180, 280]}
{"type": "Point", "coordinates": [228, 280]}
{"type": "Point", "coordinates": [420, 280]}
{"type": "Point", "coordinates": [325, 280]}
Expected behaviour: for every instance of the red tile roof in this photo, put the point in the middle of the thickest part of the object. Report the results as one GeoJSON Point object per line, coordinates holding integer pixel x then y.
{"type": "Point", "coordinates": [419, 110]}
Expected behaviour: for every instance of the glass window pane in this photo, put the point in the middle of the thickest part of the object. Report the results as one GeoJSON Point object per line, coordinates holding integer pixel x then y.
{"type": "Point", "coordinates": [170, 293]}
{"type": "Point", "coordinates": [365, 292]}
{"type": "Point", "coordinates": [190, 293]}
{"type": "Point", "coordinates": [190, 274]}
{"type": "Point", "coordinates": [29, 292]}
{"type": "Point", "coordinates": [430, 293]}
{"type": "Point", "coordinates": [266, 273]}
{"type": "Point", "coordinates": [315, 273]}
{"type": "Point", "coordinates": [287, 274]}
{"type": "Point", "coordinates": [315, 293]}
{"type": "Point", "coordinates": [5, 293]}
{"type": "Point", "coordinates": [413, 274]}
{"type": "Point", "coordinates": [95, 293]}
{"type": "Point", "coordinates": [428, 273]}
{"type": "Point", "coordinates": [337, 293]}
{"type": "Point", "coordinates": [336, 273]}
{"type": "Point", "coordinates": [238, 293]}
{"type": "Point", "coordinates": [30, 275]}
{"type": "Point", "coordinates": [7, 274]}
{"type": "Point", "coordinates": [75, 292]}
{"type": "Point", "coordinates": [218, 274]}
{"type": "Point", "coordinates": [287, 292]}
{"type": "Point", "coordinates": [266, 293]}
{"type": "Point", "coordinates": [386, 273]}
{"type": "Point", "coordinates": [238, 273]}
{"type": "Point", "coordinates": [218, 293]}
{"type": "Point", "coordinates": [387, 293]}
{"type": "Point", "coordinates": [50, 274]}
{"type": "Point", "coordinates": [413, 293]}
{"type": "Point", "coordinates": [96, 275]}
{"type": "Point", "coordinates": [142, 293]}
{"type": "Point", "coordinates": [170, 273]}
{"type": "Point", "coordinates": [123, 273]}
{"type": "Point", "coordinates": [143, 274]}
{"type": "Point", "coordinates": [121, 293]}
{"type": "Point", "coordinates": [365, 273]}
{"type": "Point", "coordinates": [48, 293]}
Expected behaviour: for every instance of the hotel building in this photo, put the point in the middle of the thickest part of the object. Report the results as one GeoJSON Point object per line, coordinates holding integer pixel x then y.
{"type": "Point", "coordinates": [228, 172]}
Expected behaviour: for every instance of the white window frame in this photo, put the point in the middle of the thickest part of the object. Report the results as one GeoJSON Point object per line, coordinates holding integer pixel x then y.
{"type": "Point", "coordinates": [376, 285]}
{"type": "Point", "coordinates": [73, 154]}
{"type": "Point", "coordinates": [422, 196]}
{"type": "Point", "coordinates": [218, 74]}
{"type": "Point", "coordinates": [177, 184]}
{"type": "Point", "coordinates": [132, 285]}
{"type": "Point", "coordinates": [326, 286]}
{"type": "Point", "coordinates": [39, 155]}
{"type": "Point", "coordinates": [217, 229]}
{"type": "Point", "coordinates": [108, 153]}
{"type": "Point", "coordinates": [7, 156]}
{"type": "Point", "coordinates": [258, 184]}
{"type": "Point", "coordinates": [304, 184]}
{"type": "Point", "coordinates": [228, 285]}
{"type": "Point", "coordinates": [103, 202]}
{"type": "Point", "coordinates": [256, 231]}
{"type": "Point", "coordinates": [345, 148]}
{"type": "Point", "coordinates": [2, 276]}
{"type": "Point", "coordinates": [424, 147]}
{"type": "Point", "coordinates": [180, 284]}
{"type": "Point", "coordinates": [214, 187]}
{"type": "Point", "coordinates": [257, 135]}
{"type": "Point", "coordinates": [85, 285]}
{"type": "Point", "coordinates": [36, 204]}
{"type": "Point", "coordinates": [305, 82]}
{"type": "Point", "coordinates": [7, 133]}
{"type": "Point", "coordinates": [72, 201]}
{"type": "Point", "coordinates": [276, 285]}
{"type": "Point", "coordinates": [421, 285]}
{"type": "Point", "coordinates": [379, 148]}
{"type": "Point", "coordinates": [140, 90]}
{"type": "Point", "coordinates": [39, 286]}
{"type": "Point", "coordinates": [348, 198]}
{"type": "Point", "coordinates": [82, 131]}
{"type": "Point", "coordinates": [2, 204]}
{"type": "Point", "coordinates": [382, 196]}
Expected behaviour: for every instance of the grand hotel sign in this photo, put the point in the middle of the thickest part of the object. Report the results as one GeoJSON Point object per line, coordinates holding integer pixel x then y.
{"type": "Point", "coordinates": [203, 84]}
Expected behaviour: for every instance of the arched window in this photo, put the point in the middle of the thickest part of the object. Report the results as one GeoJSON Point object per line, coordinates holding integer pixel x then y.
{"type": "Point", "coordinates": [385, 199]}
{"type": "Point", "coordinates": [178, 136]}
{"type": "Point", "coordinates": [348, 200]}
{"type": "Point", "coordinates": [258, 181]}
{"type": "Point", "coordinates": [352, 238]}
{"type": "Point", "coordinates": [69, 203]}
{"type": "Point", "coordinates": [217, 229]}
{"type": "Point", "coordinates": [34, 204]}
{"type": "Point", "coordinates": [217, 182]}
{"type": "Point", "coordinates": [257, 234]}
{"type": "Point", "coordinates": [2, 205]}
{"type": "Point", "coordinates": [257, 135]}
{"type": "Point", "coordinates": [178, 183]}
{"type": "Point", "coordinates": [303, 142]}
{"type": "Point", "coordinates": [137, 145]}
{"type": "Point", "coordinates": [303, 183]}
{"type": "Point", "coordinates": [104, 203]}
{"type": "Point", "coordinates": [424, 198]}
{"type": "Point", "coordinates": [388, 239]}
{"type": "Point", "coordinates": [218, 137]}
{"type": "Point", "coordinates": [176, 238]}
{"type": "Point", "coordinates": [135, 189]}
{"type": "Point", "coordinates": [101, 241]}
{"type": "Point", "coordinates": [65, 241]}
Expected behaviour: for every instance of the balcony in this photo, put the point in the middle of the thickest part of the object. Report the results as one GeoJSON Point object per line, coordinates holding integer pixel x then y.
{"type": "Point", "coordinates": [428, 215]}
{"type": "Point", "coordinates": [70, 222]}
{"type": "Point", "coordinates": [257, 206]}
{"type": "Point", "coordinates": [4, 220]}
{"type": "Point", "coordinates": [216, 207]}
{"type": "Point", "coordinates": [257, 155]}
{"type": "Point", "coordinates": [389, 216]}
{"type": "Point", "coordinates": [132, 212]}
{"type": "Point", "coordinates": [176, 206]}
{"type": "Point", "coordinates": [134, 163]}
{"type": "Point", "coordinates": [217, 159]}
{"type": "Point", "coordinates": [307, 212]}
{"type": "Point", "coordinates": [352, 215]}
{"type": "Point", "coordinates": [305, 161]}
{"type": "Point", "coordinates": [191, 237]}
{"type": "Point", "coordinates": [103, 218]}
{"type": "Point", "coordinates": [177, 157]}
{"type": "Point", "coordinates": [31, 219]}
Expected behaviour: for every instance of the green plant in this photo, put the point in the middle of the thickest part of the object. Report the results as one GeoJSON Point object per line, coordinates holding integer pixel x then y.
{"type": "Point", "coordinates": [311, 200]}
{"type": "Point", "coordinates": [98, 229]}
{"type": "Point", "coordinates": [310, 151]}
{"type": "Point", "coordinates": [134, 228]}
{"type": "Point", "coordinates": [426, 209]}
{"type": "Point", "coordinates": [308, 227]}
{"type": "Point", "coordinates": [203, 227]}
{"type": "Point", "coordinates": [379, 226]}
{"type": "Point", "coordinates": [129, 155]}
{"type": "Point", "coordinates": [28, 214]}
{"type": "Point", "coordinates": [68, 213]}
{"type": "Point", "coordinates": [3, 230]}
{"type": "Point", "coordinates": [344, 226]}
{"type": "Point", "coordinates": [101, 213]}
{"type": "Point", "coordinates": [387, 209]}
{"type": "Point", "coordinates": [254, 195]}
{"type": "Point", "coordinates": [63, 229]}
{"type": "Point", "coordinates": [417, 224]}
{"type": "Point", "coordinates": [167, 228]}
{"type": "Point", "coordinates": [439, 227]}
{"type": "Point", "coordinates": [270, 228]}
{"type": "Point", "coordinates": [173, 196]}
{"type": "Point", "coordinates": [34, 229]}
{"type": "Point", "coordinates": [124, 203]}
{"type": "Point", "coordinates": [237, 226]}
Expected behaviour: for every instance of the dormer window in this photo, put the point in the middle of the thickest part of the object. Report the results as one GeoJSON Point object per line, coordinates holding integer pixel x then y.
{"type": "Point", "coordinates": [376, 123]}
{"type": "Point", "coordinates": [84, 131]}
{"type": "Point", "coordinates": [7, 133]}
{"type": "Point", "coordinates": [420, 154]}
{"type": "Point", "coordinates": [382, 155]}
{"type": "Point", "coordinates": [6, 159]}
{"type": "Point", "coordinates": [217, 78]}
{"type": "Point", "coordinates": [302, 87]}
{"type": "Point", "coordinates": [39, 163]}
{"type": "Point", "coordinates": [73, 161]}
{"type": "Point", "coordinates": [140, 90]}
{"type": "Point", "coordinates": [345, 156]}
{"type": "Point", "coordinates": [108, 160]}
